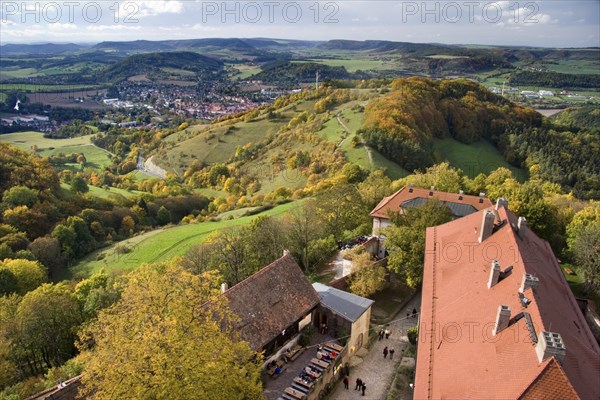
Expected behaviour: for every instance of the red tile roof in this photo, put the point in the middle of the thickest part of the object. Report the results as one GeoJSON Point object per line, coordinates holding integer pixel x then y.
{"type": "Point", "coordinates": [394, 202]}
{"type": "Point", "coordinates": [460, 357]}
{"type": "Point", "coordinates": [271, 300]}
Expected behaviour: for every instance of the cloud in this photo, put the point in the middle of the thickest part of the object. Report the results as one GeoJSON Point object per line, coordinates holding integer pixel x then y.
{"type": "Point", "coordinates": [154, 7]}
{"type": "Point", "coordinates": [62, 27]}
{"type": "Point", "coordinates": [102, 28]}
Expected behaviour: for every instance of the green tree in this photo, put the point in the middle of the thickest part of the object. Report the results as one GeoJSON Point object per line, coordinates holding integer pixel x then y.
{"type": "Point", "coordinates": [8, 281]}
{"type": "Point", "coordinates": [20, 196]}
{"type": "Point", "coordinates": [163, 216]}
{"type": "Point", "coordinates": [586, 249]}
{"type": "Point", "coordinates": [168, 338]}
{"type": "Point", "coordinates": [66, 236]}
{"type": "Point", "coordinates": [79, 185]}
{"type": "Point", "coordinates": [29, 274]}
{"type": "Point", "coordinates": [48, 317]}
{"type": "Point", "coordinates": [405, 239]}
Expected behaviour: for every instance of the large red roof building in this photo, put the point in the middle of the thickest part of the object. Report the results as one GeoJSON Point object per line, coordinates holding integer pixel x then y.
{"type": "Point", "coordinates": [498, 319]}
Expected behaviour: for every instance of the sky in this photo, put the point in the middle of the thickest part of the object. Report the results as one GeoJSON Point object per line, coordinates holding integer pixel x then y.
{"type": "Point", "coordinates": [515, 23]}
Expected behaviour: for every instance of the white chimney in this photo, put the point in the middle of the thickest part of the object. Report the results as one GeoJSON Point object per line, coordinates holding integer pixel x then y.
{"type": "Point", "coordinates": [529, 281]}
{"type": "Point", "coordinates": [224, 287]}
{"type": "Point", "coordinates": [550, 344]}
{"type": "Point", "coordinates": [521, 227]}
{"type": "Point", "coordinates": [487, 225]}
{"type": "Point", "coordinates": [502, 319]}
{"type": "Point", "coordinates": [494, 273]}
{"type": "Point", "coordinates": [501, 202]}
{"type": "Point", "coordinates": [286, 253]}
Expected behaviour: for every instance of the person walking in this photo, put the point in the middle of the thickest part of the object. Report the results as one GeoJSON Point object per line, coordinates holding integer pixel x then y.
{"type": "Point", "coordinates": [358, 384]}
{"type": "Point", "coordinates": [380, 334]}
{"type": "Point", "coordinates": [364, 387]}
{"type": "Point", "coordinates": [392, 353]}
{"type": "Point", "coordinates": [385, 352]}
{"type": "Point", "coordinates": [346, 382]}
{"type": "Point", "coordinates": [388, 332]}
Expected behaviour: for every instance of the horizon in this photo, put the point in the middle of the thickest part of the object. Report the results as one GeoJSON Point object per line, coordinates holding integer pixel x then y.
{"type": "Point", "coordinates": [546, 24]}
{"type": "Point", "coordinates": [94, 43]}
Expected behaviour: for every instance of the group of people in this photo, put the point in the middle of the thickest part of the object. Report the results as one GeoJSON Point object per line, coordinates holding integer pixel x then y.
{"type": "Point", "coordinates": [360, 385]}
{"type": "Point", "coordinates": [390, 351]}
{"type": "Point", "coordinates": [384, 332]}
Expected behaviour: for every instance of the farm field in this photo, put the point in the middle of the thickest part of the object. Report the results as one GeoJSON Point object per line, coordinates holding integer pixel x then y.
{"type": "Point", "coordinates": [159, 245]}
{"type": "Point", "coordinates": [475, 158]}
{"type": "Point", "coordinates": [353, 64]}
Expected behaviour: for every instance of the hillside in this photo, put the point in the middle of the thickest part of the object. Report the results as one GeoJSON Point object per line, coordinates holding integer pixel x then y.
{"type": "Point", "coordinates": [152, 63]}
{"type": "Point", "coordinates": [587, 117]}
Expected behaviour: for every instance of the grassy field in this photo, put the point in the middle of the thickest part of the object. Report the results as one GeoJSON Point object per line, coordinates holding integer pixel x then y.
{"type": "Point", "coordinates": [105, 193]}
{"type": "Point", "coordinates": [352, 64]}
{"type": "Point", "coordinates": [475, 158]}
{"type": "Point", "coordinates": [25, 140]}
{"type": "Point", "coordinates": [245, 71]}
{"type": "Point", "coordinates": [159, 245]}
{"type": "Point", "coordinates": [97, 158]}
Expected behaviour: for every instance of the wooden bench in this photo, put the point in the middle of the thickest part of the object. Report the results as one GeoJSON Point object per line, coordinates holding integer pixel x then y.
{"type": "Point", "coordinates": [294, 393]}
{"type": "Point", "coordinates": [334, 346]}
{"type": "Point", "coordinates": [320, 363]}
{"type": "Point", "coordinates": [301, 382]}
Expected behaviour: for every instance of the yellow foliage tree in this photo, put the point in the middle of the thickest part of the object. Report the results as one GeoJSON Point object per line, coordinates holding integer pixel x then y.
{"type": "Point", "coordinates": [164, 340]}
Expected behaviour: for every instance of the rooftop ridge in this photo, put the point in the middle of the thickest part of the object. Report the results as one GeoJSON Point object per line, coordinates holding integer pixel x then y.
{"type": "Point", "coordinates": [433, 301]}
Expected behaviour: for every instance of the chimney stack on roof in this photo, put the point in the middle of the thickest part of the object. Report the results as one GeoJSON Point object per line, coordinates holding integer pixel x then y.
{"type": "Point", "coordinates": [502, 319]}
{"type": "Point", "coordinates": [550, 345]}
{"type": "Point", "coordinates": [487, 225]}
{"type": "Point", "coordinates": [529, 281]}
{"type": "Point", "coordinates": [431, 189]}
{"type": "Point", "coordinates": [411, 188]}
{"type": "Point", "coordinates": [521, 227]}
{"type": "Point", "coordinates": [224, 287]}
{"type": "Point", "coordinates": [286, 253]}
{"type": "Point", "coordinates": [494, 274]}
{"type": "Point", "coordinates": [501, 202]}
{"type": "Point", "coordinates": [481, 196]}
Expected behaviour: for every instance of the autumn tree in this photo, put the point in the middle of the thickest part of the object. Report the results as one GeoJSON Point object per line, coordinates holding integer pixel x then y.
{"type": "Point", "coordinates": [366, 278]}
{"type": "Point", "coordinates": [169, 338]}
{"type": "Point", "coordinates": [47, 250]}
{"type": "Point", "coordinates": [405, 239]}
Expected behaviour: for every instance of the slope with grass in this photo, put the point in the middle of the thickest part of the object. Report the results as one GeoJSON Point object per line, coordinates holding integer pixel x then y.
{"type": "Point", "coordinates": [159, 245]}
{"type": "Point", "coordinates": [475, 158]}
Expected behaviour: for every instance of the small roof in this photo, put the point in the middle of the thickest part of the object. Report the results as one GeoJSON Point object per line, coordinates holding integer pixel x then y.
{"type": "Point", "coordinates": [460, 357]}
{"type": "Point", "coordinates": [271, 300]}
{"type": "Point", "coordinates": [407, 197]}
{"type": "Point", "coordinates": [347, 305]}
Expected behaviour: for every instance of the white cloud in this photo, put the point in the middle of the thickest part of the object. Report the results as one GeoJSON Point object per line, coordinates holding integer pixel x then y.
{"type": "Point", "coordinates": [101, 28]}
{"type": "Point", "coordinates": [62, 27]}
{"type": "Point", "coordinates": [153, 7]}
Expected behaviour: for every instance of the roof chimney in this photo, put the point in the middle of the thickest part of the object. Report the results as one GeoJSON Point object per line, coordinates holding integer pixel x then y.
{"type": "Point", "coordinates": [502, 319]}
{"type": "Point", "coordinates": [286, 253]}
{"type": "Point", "coordinates": [551, 345]}
{"type": "Point", "coordinates": [460, 194]}
{"type": "Point", "coordinates": [487, 225]}
{"type": "Point", "coordinates": [521, 227]}
{"type": "Point", "coordinates": [411, 188]}
{"type": "Point", "coordinates": [431, 189]}
{"type": "Point", "coordinates": [224, 287]}
{"type": "Point", "coordinates": [501, 202]}
{"type": "Point", "coordinates": [529, 281]}
{"type": "Point", "coordinates": [481, 196]}
{"type": "Point", "coordinates": [494, 273]}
